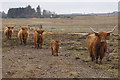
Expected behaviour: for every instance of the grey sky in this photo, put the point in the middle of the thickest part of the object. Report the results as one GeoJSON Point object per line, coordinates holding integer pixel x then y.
{"type": "Point", "coordinates": [59, 0]}
{"type": "Point", "coordinates": [65, 7]}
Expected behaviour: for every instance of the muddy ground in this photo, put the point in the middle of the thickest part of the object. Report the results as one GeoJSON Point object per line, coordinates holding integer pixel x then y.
{"type": "Point", "coordinates": [19, 61]}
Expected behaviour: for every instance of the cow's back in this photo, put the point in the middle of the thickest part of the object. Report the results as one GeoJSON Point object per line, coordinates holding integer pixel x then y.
{"type": "Point", "coordinates": [90, 39]}
{"type": "Point", "coordinates": [35, 36]}
{"type": "Point", "coordinates": [5, 31]}
{"type": "Point", "coordinates": [53, 43]}
{"type": "Point", "coordinates": [20, 34]}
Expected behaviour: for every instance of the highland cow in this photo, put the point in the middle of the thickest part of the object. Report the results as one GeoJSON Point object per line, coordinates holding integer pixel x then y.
{"type": "Point", "coordinates": [55, 47]}
{"type": "Point", "coordinates": [23, 35]}
{"type": "Point", "coordinates": [97, 45]}
{"type": "Point", "coordinates": [38, 38]}
{"type": "Point", "coordinates": [8, 32]}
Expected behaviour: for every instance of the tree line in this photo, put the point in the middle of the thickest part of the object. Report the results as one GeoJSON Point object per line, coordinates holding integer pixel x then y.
{"type": "Point", "coordinates": [28, 12]}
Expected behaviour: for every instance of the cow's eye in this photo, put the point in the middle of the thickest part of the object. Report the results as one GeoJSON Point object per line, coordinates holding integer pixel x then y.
{"type": "Point", "coordinates": [98, 36]}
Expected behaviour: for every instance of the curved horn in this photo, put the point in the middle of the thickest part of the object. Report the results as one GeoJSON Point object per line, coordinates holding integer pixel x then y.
{"type": "Point", "coordinates": [112, 30]}
{"type": "Point", "coordinates": [93, 30]}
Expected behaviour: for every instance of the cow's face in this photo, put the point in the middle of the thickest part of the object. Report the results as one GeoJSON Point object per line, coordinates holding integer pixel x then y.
{"type": "Point", "coordinates": [102, 35]}
{"type": "Point", "coordinates": [39, 35]}
{"type": "Point", "coordinates": [58, 42]}
{"type": "Point", "coordinates": [10, 28]}
{"type": "Point", "coordinates": [40, 31]}
{"type": "Point", "coordinates": [25, 35]}
{"type": "Point", "coordinates": [24, 28]}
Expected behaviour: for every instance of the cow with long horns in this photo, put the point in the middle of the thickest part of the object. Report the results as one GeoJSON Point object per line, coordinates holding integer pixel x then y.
{"type": "Point", "coordinates": [97, 45]}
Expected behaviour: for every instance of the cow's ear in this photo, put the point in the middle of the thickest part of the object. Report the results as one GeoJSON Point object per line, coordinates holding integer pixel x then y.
{"type": "Point", "coordinates": [58, 41]}
{"type": "Point", "coordinates": [22, 28]}
{"type": "Point", "coordinates": [42, 31]}
{"type": "Point", "coordinates": [108, 34]}
{"type": "Point", "coordinates": [37, 31]}
{"type": "Point", "coordinates": [8, 27]}
{"type": "Point", "coordinates": [96, 34]}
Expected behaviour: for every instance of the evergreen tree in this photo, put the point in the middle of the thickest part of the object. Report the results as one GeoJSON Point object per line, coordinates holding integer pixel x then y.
{"type": "Point", "coordinates": [39, 10]}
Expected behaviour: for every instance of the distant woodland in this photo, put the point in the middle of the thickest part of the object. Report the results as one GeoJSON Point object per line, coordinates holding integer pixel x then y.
{"type": "Point", "coordinates": [28, 12]}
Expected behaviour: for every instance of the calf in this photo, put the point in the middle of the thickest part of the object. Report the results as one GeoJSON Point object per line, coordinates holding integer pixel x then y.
{"type": "Point", "coordinates": [23, 35]}
{"type": "Point", "coordinates": [55, 47]}
{"type": "Point", "coordinates": [38, 38]}
{"type": "Point", "coordinates": [97, 45]}
{"type": "Point", "coordinates": [8, 32]}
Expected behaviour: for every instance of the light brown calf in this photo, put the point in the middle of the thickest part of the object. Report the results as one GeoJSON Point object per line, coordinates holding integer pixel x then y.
{"type": "Point", "coordinates": [55, 47]}
{"type": "Point", "coordinates": [23, 35]}
{"type": "Point", "coordinates": [38, 38]}
{"type": "Point", "coordinates": [8, 32]}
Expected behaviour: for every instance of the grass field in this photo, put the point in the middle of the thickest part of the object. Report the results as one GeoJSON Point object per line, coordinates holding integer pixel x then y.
{"type": "Point", "coordinates": [74, 43]}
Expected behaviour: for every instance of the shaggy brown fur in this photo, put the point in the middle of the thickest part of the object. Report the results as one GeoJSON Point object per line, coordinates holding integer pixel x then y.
{"type": "Point", "coordinates": [23, 35]}
{"type": "Point", "coordinates": [38, 38]}
{"type": "Point", "coordinates": [8, 32]}
{"type": "Point", "coordinates": [55, 47]}
{"type": "Point", "coordinates": [97, 45]}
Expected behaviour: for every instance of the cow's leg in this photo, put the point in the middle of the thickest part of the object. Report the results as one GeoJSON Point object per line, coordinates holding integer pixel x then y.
{"type": "Point", "coordinates": [92, 57]}
{"type": "Point", "coordinates": [41, 46]}
{"type": "Point", "coordinates": [57, 51]}
{"type": "Point", "coordinates": [37, 46]}
{"type": "Point", "coordinates": [21, 41]}
{"type": "Point", "coordinates": [52, 50]}
{"type": "Point", "coordinates": [100, 60]}
{"type": "Point", "coordinates": [10, 37]}
{"type": "Point", "coordinates": [101, 57]}
{"type": "Point", "coordinates": [97, 60]}
{"type": "Point", "coordinates": [24, 42]}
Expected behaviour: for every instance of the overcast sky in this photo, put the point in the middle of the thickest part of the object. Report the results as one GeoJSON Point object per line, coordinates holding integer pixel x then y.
{"type": "Point", "coordinates": [64, 6]}
{"type": "Point", "coordinates": [59, 0]}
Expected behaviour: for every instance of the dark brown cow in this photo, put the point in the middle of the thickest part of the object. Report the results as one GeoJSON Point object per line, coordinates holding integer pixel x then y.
{"type": "Point", "coordinates": [38, 38]}
{"type": "Point", "coordinates": [97, 45]}
{"type": "Point", "coordinates": [8, 32]}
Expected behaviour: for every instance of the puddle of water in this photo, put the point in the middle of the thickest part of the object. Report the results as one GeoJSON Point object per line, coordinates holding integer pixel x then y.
{"type": "Point", "coordinates": [80, 33]}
